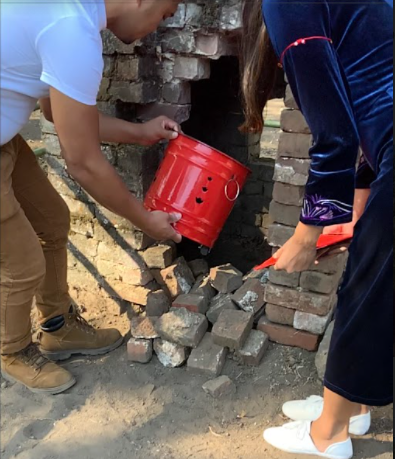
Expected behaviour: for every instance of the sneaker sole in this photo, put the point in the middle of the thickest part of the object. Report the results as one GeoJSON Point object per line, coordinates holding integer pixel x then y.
{"type": "Point", "coordinates": [59, 356]}
{"type": "Point", "coordinates": [52, 391]}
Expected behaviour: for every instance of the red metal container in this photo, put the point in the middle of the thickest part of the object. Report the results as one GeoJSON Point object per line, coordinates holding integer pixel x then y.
{"type": "Point", "coordinates": [199, 182]}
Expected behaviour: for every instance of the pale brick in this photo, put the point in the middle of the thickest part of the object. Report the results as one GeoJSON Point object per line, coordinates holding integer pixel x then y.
{"type": "Point", "coordinates": [226, 278]}
{"type": "Point", "coordinates": [182, 327]}
{"type": "Point", "coordinates": [193, 15]}
{"type": "Point", "coordinates": [191, 68]}
{"type": "Point", "coordinates": [158, 257]}
{"type": "Point", "coordinates": [292, 171]}
{"type": "Point", "coordinates": [212, 46]}
{"type": "Point", "coordinates": [143, 327]}
{"type": "Point", "coordinates": [294, 121]}
{"type": "Point", "coordinates": [288, 194]}
{"type": "Point", "coordinates": [289, 100]}
{"type": "Point", "coordinates": [254, 349]}
{"type": "Point", "coordinates": [178, 278]}
{"type": "Point", "coordinates": [178, 42]}
{"type": "Point", "coordinates": [311, 322]}
{"type": "Point", "coordinates": [319, 282]}
{"type": "Point", "coordinates": [139, 350]}
{"type": "Point", "coordinates": [251, 296]}
{"type": "Point", "coordinates": [232, 329]}
{"type": "Point", "coordinates": [170, 355]}
{"type": "Point", "coordinates": [193, 303]}
{"type": "Point", "coordinates": [134, 294]}
{"type": "Point", "coordinates": [231, 19]}
{"type": "Point", "coordinates": [220, 303]}
{"type": "Point", "coordinates": [295, 145]}
{"type": "Point", "coordinates": [220, 387]}
{"type": "Point", "coordinates": [288, 336]}
{"type": "Point", "coordinates": [280, 315]}
{"type": "Point", "coordinates": [285, 215]}
{"type": "Point", "coordinates": [284, 278]}
{"type": "Point", "coordinates": [87, 246]}
{"type": "Point", "coordinates": [158, 303]}
{"type": "Point", "coordinates": [208, 358]}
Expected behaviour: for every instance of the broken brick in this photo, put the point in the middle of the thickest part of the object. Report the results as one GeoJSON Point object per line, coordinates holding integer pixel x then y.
{"type": "Point", "coordinates": [194, 303]}
{"type": "Point", "coordinates": [170, 355]}
{"type": "Point", "coordinates": [220, 303]}
{"type": "Point", "coordinates": [204, 288]}
{"type": "Point", "coordinates": [139, 350]}
{"type": "Point", "coordinates": [158, 257]}
{"type": "Point", "coordinates": [226, 278]}
{"type": "Point", "coordinates": [219, 387]}
{"type": "Point", "coordinates": [251, 296]}
{"type": "Point", "coordinates": [232, 329]}
{"type": "Point", "coordinates": [208, 357]}
{"type": "Point", "coordinates": [178, 278]}
{"type": "Point", "coordinates": [254, 349]}
{"type": "Point", "coordinates": [143, 327]}
{"type": "Point", "coordinates": [158, 304]}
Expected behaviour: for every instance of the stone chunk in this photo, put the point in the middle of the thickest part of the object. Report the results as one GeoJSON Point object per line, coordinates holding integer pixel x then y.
{"type": "Point", "coordinates": [199, 267]}
{"type": "Point", "coordinates": [143, 327]}
{"type": "Point", "coordinates": [288, 336]}
{"type": "Point", "coordinates": [182, 327]}
{"type": "Point", "coordinates": [139, 350]}
{"type": "Point", "coordinates": [158, 304]}
{"type": "Point", "coordinates": [311, 322]}
{"type": "Point", "coordinates": [220, 303]}
{"type": "Point", "coordinates": [170, 355]}
{"type": "Point", "coordinates": [219, 387]}
{"type": "Point", "coordinates": [178, 278]}
{"type": "Point", "coordinates": [251, 296]}
{"type": "Point", "coordinates": [226, 278]}
{"type": "Point", "coordinates": [232, 329]}
{"type": "Point", "coordinates": [280, 315]}
{"type": "Point", "coordinates": [208, 358]}
{"type": "Point", "coordinates": [254, 349]}
{"type": "Point", "coordinates": [158, 257]}
{"type": "Point", "coordinates": [194, 303]}
{"type": "Point", "coordinates": [204, 288]}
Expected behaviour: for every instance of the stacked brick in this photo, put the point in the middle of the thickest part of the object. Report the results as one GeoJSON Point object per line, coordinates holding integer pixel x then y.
{"type": "Point", "coordinates": [299, 306]}
{"type": "Point", "coordinates": [208, 313]}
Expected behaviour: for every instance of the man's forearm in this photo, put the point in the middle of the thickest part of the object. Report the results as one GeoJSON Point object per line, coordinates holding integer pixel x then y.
{"type": "Point", "coordinates": [115, 130]}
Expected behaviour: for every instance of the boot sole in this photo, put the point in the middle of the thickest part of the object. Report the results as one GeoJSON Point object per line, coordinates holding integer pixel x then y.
{"type": "Point", "coordinates": [51, 391]}
{"type": "Point", "coordinates": [59, 356]}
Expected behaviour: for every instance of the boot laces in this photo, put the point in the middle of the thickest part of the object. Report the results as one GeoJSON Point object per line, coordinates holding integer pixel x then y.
{"type": "Point", "coordinates": [82, 324]}
{"type": "Point", "coordinates": [33, 357]}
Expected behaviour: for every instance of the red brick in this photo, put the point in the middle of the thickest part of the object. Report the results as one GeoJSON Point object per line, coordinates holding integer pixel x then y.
{"type": "Point", "coordinates": [232, 329]}
{"type": "Point", "coordinates": [194, 303]}
{"type": "Point", "coordinates": [208, 358]}
{"type": "Point", "coordinates": [139, 350]}
{"type": "Point", "coordinates": [315, 303]}
{"type": "Point", "coordinates": [143, 327]}
{"type": "Point", "coordinates": [280, 315]}
{"type": "Point", "coordinates": [282, 296]}
{"type": "Point", "coordinates": [288, 336]}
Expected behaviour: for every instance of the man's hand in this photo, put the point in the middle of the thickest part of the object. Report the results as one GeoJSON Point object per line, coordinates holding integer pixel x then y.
{"type": "Point", "coordinates": [159, 226]}
{"type": "Point", "coordinates": [158, 129]}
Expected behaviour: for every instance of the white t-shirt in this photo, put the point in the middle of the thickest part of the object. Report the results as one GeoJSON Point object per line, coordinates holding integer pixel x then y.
{"type": "Point", "coordinates": [43, 44]}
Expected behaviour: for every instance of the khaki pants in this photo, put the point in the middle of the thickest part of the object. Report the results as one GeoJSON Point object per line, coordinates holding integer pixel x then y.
{"type": "Point", "coordinates": [34, 226]}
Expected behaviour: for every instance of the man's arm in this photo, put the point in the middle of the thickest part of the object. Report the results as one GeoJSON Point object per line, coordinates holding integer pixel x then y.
{"type": "Point", "coordinates": [79, 136]}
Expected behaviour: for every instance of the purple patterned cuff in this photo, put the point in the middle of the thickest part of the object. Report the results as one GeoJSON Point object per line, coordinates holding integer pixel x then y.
{"type": "Point", "coordinates": [317, 209]}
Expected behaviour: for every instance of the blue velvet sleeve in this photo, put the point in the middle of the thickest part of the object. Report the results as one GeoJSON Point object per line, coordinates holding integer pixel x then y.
{"type": "Point", "coordinates": [319, 87]}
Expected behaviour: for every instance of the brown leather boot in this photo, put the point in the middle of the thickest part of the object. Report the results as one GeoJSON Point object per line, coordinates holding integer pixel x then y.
{"type": "Point", "coordinates": [30, 368]}
{"type": "Point", "coordinates": [78, 337]}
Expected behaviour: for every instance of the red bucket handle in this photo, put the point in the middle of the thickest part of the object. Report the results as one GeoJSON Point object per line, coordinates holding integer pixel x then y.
{"type": "Point", "coordinates": [227, 190]}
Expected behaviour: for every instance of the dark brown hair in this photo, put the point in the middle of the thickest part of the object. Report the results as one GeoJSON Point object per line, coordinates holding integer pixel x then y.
{"type": "Point", "coordinates": [258, 64]}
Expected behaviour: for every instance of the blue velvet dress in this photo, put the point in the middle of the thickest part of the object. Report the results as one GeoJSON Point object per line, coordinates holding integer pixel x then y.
{"type": "Point", "coordinates": [344, 87]}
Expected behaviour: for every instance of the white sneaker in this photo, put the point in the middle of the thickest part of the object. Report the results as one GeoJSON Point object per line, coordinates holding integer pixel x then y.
{"type": "Point", "coordinates": [295, 438]}
{"type": "Point", "coordinates": [311, 410]}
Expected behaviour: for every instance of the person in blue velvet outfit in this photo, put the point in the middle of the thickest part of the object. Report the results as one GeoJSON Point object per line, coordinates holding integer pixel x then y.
{"type": "Point", "coordinates": [338, 57]}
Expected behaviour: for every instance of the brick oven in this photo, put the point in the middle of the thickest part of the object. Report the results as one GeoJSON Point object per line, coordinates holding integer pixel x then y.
{"type": "Point", "coordinates": [188, 70]}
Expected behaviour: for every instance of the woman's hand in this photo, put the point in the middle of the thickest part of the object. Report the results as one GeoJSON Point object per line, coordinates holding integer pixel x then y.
{"type": "Point", "coordinates": [158, 129]}
{"type": "Point", "coordinates": [300, 252]}
{"type": "Point", "coordinates": [159, 226]}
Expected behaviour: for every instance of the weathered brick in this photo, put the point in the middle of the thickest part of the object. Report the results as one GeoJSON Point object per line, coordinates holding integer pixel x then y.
{"type": "Point", "coordinates": [251, 296]}
{"type": "Point", "coordinates": [294, 121]}
{"type": "Point", "coordinates": [199, 267]}
{"type": "Point", "coordinates": [178, 42]}
{"type": "Point", "coordinates": [331, 265]}
{"type": "Point", "coordinates": [143, 327]}
{"type": "Point", "coordinates": [254, 349]}
{"type": "Point", "coordinates": [179, 113]}
{"type": "Point", "coordinates": [137, 93]}
{"type": "Point", "coordinates": [283, 278]}
{"type": "Point", "coordinates": [178, 278]}
{"type": "Point", "coordinates": [285, 215]}
{"type": "Point", "coordinates": [170, 355]}
{"type": "Point", "coordinates": [279, 235]}
{"type": "Point", "coordinates": [127, 69]}
{"type": "Point", "coordinates": [315, 303]}
{"type": "Point", "coordinates": [311, 322]}
{"type": "Point", "coordinates": [178, 21]}
{"type": "Point", "coordinates": [280, 315]}
{"type": "Point", "coordinates": [204, 288]}
{"type": "Point", "coordinates": [288, 336]}
{"type": "Point", "coordinates": [295, 145]}
{"type": "Point", "coordinates": [232, 329]}
{"type": "Point", "coordinates": [177, 92]}
{"type": "Point", "coordinates": [220, 303]}
{"type": "Point", "coordinates": [182, 327]}
{"type": "Point", "coordinates": [319, 282]}
{"type": "Point", "coordinates": [289, 100]}
{"type": "Point", "coordinates": [208, 358]}
{"type": "Point", "coordinates": [288, 194]}
{"type": "Point", "coordinates": [292, 171]}
{"type": "Point", "coordinates": [158, 257]}
{"type": "Point", "coordinates": [158, 303]}
{"type": "Point", "coordinates": [139, 350]}
{"type": "Point", "coordinates": [226, 278]}
{"type": "Point", "coordinates": [194, 303]}
{"type": "Point", "coordinates": [193, 15]}
{"type": "Point", "coordinates": [109, 66]}
{"type": "Point", "coordinates": [212, 45]}
{"type": "Point", "coordinates": [282, 296]}
{"type": "Point", "coordinates": [231, 18]}
{"type": "Point", "coordinates": [191, 68]}
{"type": "Point", "coordinates": [220, 387]}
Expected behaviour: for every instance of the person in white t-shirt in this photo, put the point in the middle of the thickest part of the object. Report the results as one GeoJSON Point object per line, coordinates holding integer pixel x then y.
{"type": "Point", "coordinates": [52, 52]}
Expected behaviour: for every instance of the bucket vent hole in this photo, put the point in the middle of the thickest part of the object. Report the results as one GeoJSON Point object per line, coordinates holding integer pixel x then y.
{"type": "Point", "coordinates": [199, 201]}
{"type": "Point", "coordinates": [205, 189]}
